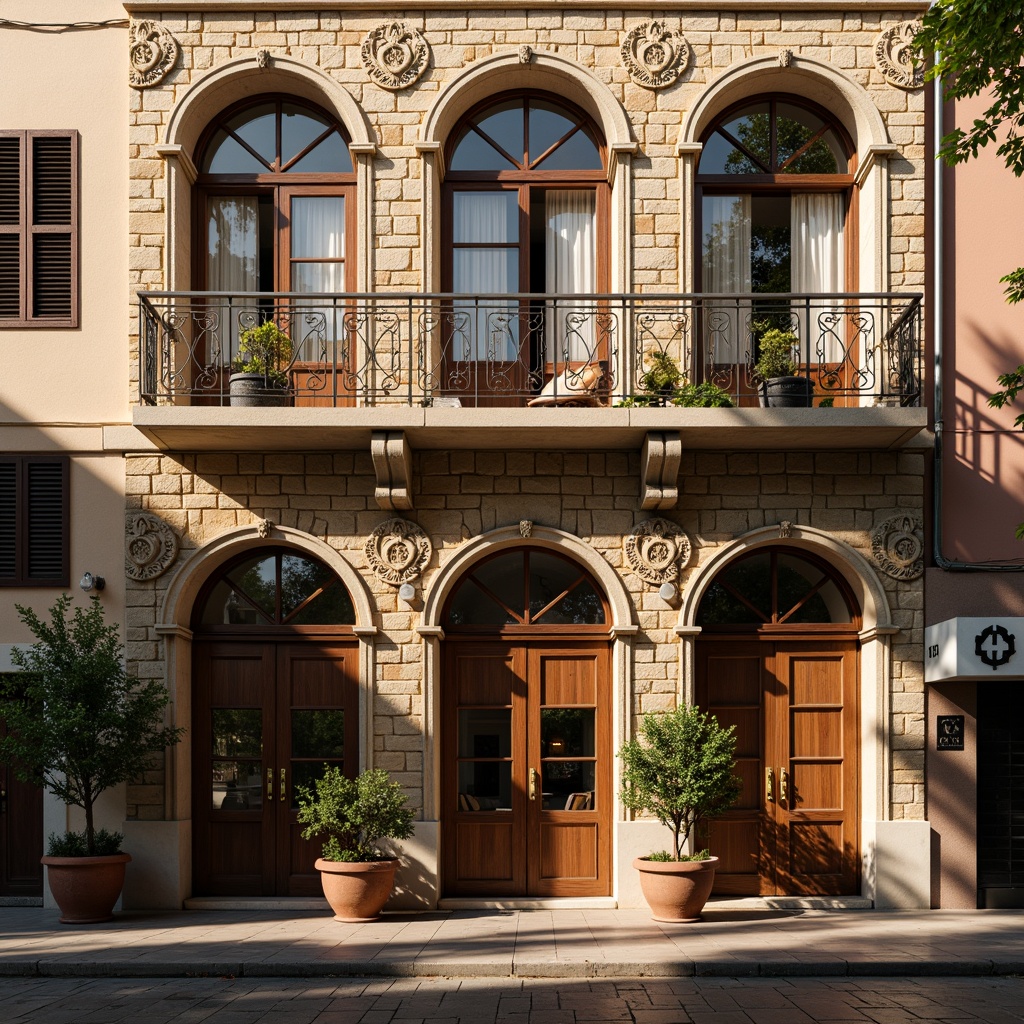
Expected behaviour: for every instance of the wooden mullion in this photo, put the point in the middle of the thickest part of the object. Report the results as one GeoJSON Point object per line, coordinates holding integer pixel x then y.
{"type": "Point", "coordinates": [565, 138]}
{"type": "Point", "coordinates": [316, 142]}
{"type": "Point", "coordinates": [803, 149]}
{"type": "Point", "coordinates": [728, 136]}
{"type": "Point", "coordinates": [494, 145]}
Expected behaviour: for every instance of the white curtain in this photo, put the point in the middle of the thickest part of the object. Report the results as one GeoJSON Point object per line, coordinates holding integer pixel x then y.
{"type": "Point", "coordinates": [726, 268]}
{"type": "Point", "coordinates": [317, 231]}
{"type": "Point", "coordinates": [817, 265]}
{"type": "Point", "coordinates": [232, 261]}
{"type": "Point", "coordinates": [571, 269]}
{"type": "Point", "coordinates": [482, 219]}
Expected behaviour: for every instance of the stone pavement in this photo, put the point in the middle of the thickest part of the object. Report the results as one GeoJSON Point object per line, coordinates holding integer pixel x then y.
{"type": "Point", "coordinates": [730, 941]}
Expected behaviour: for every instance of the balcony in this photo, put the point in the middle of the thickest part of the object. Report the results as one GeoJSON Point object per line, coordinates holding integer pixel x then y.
{"type": "Point", "coordinates": [526, 370]}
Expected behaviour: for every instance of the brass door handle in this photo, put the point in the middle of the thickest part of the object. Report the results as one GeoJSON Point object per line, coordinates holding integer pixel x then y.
{"type": "Point", "coordinates": [769, 785]}
{"type": "Point", "coordinates": [533, 783]}
{"type": "Point", "coordinates": [283, 787]}
{"type": "Point", "coordinates": [270, 783]}
{"type": "Point", "coordinates": [783, 784]}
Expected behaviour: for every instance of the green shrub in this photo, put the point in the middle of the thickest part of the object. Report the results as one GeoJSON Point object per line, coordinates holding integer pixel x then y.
{"type": "Point", "coordinates": [776, 354]}
{"type": "Point", "coordinates": [266, 350]}
{"type": "Point", "coordinates": [706, 396]}
{"type": "Point", "coordinates": [76, 844]}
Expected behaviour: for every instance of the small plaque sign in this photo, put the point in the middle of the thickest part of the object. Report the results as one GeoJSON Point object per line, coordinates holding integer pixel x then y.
{"type": "Point", "coordinates": [949, 732]}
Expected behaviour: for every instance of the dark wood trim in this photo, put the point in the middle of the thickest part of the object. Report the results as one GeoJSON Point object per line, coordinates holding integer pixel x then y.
{"type": "Point", "coordinates": [23, 520]}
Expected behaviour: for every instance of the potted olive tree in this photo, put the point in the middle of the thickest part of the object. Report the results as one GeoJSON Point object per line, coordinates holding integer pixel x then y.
{"type": "Point", "coordinates": [260, 374]}
{"type": "Point", "coordinates": [356, 816]}
{"type": "Point", "coordinates": [680, 769]}
{"type": "Point", "coordinates": [78, 724]}
{"type": "Point", "coordinates": [777, 367]}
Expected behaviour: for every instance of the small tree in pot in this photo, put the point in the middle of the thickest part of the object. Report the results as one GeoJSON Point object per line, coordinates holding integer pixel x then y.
{"type": "Point", "coordinates": [777, 369]}
{"type": "Point", "coordinates": [79, 724]}
{"type": "Point", "coordinates": [680, 769]}
{"type": "Point", "coordinates": [260, 374]}
{"type": "Point", "coordinates": [355, 815]}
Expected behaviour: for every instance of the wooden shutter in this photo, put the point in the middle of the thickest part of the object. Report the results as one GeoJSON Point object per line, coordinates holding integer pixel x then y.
{"type": "Point", "coordinates": [39, 229]}
{"type": "Point", "coordinates": [34, 521]}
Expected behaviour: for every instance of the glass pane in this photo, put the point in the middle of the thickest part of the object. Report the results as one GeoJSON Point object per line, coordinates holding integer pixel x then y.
{"type": "Point", "coordinates": [793, 127]}
{"type": "Point", "coordinates": [567, 732]}
{"type": "Point", "coordinates": [225, 608]}
{"type": "Point", "coordinates": [236, 785]}
{"type": "Point", "coordinates": [568, 785]}
{"type": "Point", "coordinates": [547, 125]}
{"type": "Point", "coordinates": [329, 157]}
{"type": "Point", "coordinates": [719, 608]}
{"type": "Point", "coordinates": [304, 775]}
{"type": "Point", "coordinates": [318, 733]}
{"type": "Point", "coordinates": [485, 786]}
{"type": "Point", "coordinates": [796, 578]}
{"type": "Point", "coordinates": [577, 153]}
{"type": "Point", "coordinates": [473, 153]}
{"type": "Point", "coordinates": [824, 157]}
{"type": "Point", "coordinates": [485, 732]}
{"type": "Point", "coordinates": [752, 128]}
{"type": "Point", "coordinates": [485, 217]}
{"type": "Point", "coordinates": [504, 577]}
{"type": "Point", "coordinates": [471, 607]}
{"type": "Point", "coordinates": [332, 608]}
{"type": "Point", "coordinates": [257, 579]}
{"type": "Point", "coordinates": [301, 577]}
{"type": "Point", "coordinates": [257, 126]}
{"type": "Point", "coordinates": [504, 124]}
{"type": "Point", "coordinates": [770, 241]}
{"type": "Point", "coordinates": [318, 227]}
{"type": "Point", "coordinates": [751, 578]}
{"type": "Point", "coordinates": [549, 577]}
{"type": "Point", "coordinates": [719, 156]}
{"type": "Point", "coordinates": [237, 732]}
{"type": "Point", "coordinates": [299, 127]}
{"type": "Point", "coordinates": [225, 155]}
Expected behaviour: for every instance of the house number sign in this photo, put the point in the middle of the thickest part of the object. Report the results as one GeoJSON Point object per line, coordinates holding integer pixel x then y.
{"type": "Point", "coordinates": [949, 732]}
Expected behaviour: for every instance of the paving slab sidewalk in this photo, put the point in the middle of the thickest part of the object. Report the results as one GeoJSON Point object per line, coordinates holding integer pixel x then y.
{"type": "Point", "coordinates": [728, 942]}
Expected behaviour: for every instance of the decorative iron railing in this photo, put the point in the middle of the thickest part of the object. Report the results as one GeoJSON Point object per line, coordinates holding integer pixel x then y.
{"type": "Point", "coordinates": [528, 349]}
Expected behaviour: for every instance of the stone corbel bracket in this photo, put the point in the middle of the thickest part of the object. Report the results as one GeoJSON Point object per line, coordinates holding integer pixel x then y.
{"type": "Point", "coordinates": [392, 464]}
{"type": "Point", "coordinates": [659, 469]}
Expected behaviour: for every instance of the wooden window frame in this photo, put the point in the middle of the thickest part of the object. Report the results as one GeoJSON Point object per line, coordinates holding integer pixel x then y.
{"type": "Point", "coordinates": [27, 232]}
{"type": "Point", "coordinates": [22, 521]}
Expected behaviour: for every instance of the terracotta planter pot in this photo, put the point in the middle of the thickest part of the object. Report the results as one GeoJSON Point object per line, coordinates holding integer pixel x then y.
{"type": "Point", "coordinates": [676, 890]}
{"type": "Point", "coordinates": [86, 888]}
{"type": "Point", "coordinates": [357, 891]}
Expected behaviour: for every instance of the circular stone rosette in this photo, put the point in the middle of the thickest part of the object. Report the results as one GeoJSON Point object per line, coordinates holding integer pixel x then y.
{"type": "Point", "coordinates": [654, 55]}
{"type": "Point", "coordinates": [394, 55]}
{"type": "Point", "coordinates": [898, 546]}
{"type": "Point", "coordinates": [150, 546]}
{"type": "Point", "coordinates": [894, 56]}
{"type": "Point", "coordinates": [658, 550]}
{"type": "Point", "coordinates": [398, 551]}
{"type": "Point", "coordinates": [152, 52]}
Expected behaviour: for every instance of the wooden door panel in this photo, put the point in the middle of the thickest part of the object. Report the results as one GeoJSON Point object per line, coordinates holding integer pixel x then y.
{"type": "Point", "coordinates": [485, 853]}
{"type": "Point", "coordinates": [569, 852]}
{"type": "Point", "coordinates": [21, 835]}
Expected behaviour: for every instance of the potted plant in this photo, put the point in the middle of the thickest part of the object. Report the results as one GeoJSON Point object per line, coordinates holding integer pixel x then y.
{"type": "Point", "coordinates": [78, 724]}
{"type": "Point", "coordinates": [776, 368]}
{"type": "Point", "coordinates": [663, 383]}
{"type": "Point", "coordinates": [355, 815]}
{"type": "Point", "coordinates": [260, 374]}
{"type": "Point", "coordinates": [680, 769]}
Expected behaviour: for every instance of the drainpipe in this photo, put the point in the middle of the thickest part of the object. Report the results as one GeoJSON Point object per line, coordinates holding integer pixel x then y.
{"type": "Point", "coordinates": [938, 332]}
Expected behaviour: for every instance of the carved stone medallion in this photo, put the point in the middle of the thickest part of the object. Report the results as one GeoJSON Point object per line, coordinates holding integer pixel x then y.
{"type": "Point", "coordinates": [152, 52]}
{"type": "Point", "coordinates": [894, 56]}
{"type": "Point", "coordinates": [657, 551]}
{"type": "Point", "coordinates": [654, 55]}
{"type": "Point", "coordinates": [398, 551]}
{"type": "Point", "coordinates": [898, 546]}
{"type": "Point", "coordinates": [395, 55]}
{"type": "Point", "coordinates": [150, 546]}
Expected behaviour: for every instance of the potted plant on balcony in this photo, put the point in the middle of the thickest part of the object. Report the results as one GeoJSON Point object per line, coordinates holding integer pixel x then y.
{"type": "Point", "coordinates": [776, 368]}
{"type": "Point", "coordinates": [78, 724]}
{"type": "Point", "coordinates": [663, 383]}
{"type": "Point", "coordinates": [355, 815]}
{"type": "Point", "coordinates": [260, 376]}
{"type": "Point", "coordinates": [680, 769]}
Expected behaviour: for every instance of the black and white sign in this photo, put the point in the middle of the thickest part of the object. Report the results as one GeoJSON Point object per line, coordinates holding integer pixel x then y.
{"type": "Point", "coordinates": [949, 732]}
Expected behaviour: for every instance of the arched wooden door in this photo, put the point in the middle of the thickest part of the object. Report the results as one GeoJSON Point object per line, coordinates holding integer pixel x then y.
{"type": "Point", "coordinates": [274, 698]}
{"type": "Point", "coordinates": [778, 658]}
{"type": "Point", "coordinates": [526, 731]}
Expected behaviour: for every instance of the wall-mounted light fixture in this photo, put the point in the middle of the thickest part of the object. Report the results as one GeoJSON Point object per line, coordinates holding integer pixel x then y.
{"type": "Point", "coordinates": [91, 582]}
{"type": "Point", "coordinates": [406, 592]}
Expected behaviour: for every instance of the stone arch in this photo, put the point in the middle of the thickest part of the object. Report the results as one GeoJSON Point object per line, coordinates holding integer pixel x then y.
{"type": "Point", "coordinates": [233, 81]}
{"type": "Point", "coordinates": [852, 105]}
{"type": "Point", "coordinates": [552, 73]}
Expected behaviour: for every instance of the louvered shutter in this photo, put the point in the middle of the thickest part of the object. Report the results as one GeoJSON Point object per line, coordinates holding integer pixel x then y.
{"type": "Point", "coordinates": [34, 521]}
{"type": "Point", "coordinates": [39, 229]}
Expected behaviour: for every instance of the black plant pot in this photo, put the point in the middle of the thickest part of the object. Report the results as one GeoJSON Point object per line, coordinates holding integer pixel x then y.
{"type": "Point", "coordinates": [787, 392]}
{"type": "Point", "coordinates": [253, 389]}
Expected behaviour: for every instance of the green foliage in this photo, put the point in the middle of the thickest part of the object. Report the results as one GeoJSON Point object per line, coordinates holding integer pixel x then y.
{"type": "Point", "coordinates": [77, 722]}
{"type": "Point", "coordinates": [707, 396]}
{"type": "Point", "coordinates": [664, 856]}
{"type": "Point", "coordinates": [265, 349]}
{"type": "Point", "coordinates": [979, 48]}
{"type": "Point", "coordinates": [663, 383]}
{"type": "Point", "coordinates": [76, 844]}
{"type": "Point", "coordinates": [354, 814]}
{"type": "Point", "coordinates": [662, 375]}
{"type": "Point", "coordinates": [680, 769]}
{"type": "Point", "coordinates": [777, 350]}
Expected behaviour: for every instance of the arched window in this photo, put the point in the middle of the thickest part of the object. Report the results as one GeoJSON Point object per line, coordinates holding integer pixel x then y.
{"type": "Point", "coordinates": [274, 588]}
{"type": "Point", "coordinates": [275, 210]}
{"type": "Point", "coordinates": [525, 588]}
{"type": "Point", "coordinates": [773, 589]}
{"type": "Point", "coordinates": [775, 187]}
{"type": "Point", "coordinates": [526, 199]}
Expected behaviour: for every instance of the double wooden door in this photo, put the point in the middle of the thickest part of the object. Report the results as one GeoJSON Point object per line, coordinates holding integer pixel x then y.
{"type": "Point", "coordinates": [21, 835]}
{"type": "Point", "coordinates": [527, 783]}
{"type": "Point", "coordinates": [266, 717]}
{"type": "Point", "coordinates": [794, 704]}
